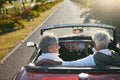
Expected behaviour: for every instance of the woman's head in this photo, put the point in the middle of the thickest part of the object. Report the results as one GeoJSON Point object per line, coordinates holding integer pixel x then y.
{"type": "Point", "coordinates": [48, 41]}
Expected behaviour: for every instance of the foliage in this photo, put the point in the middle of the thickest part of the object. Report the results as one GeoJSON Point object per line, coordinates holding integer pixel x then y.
{"type": "Point", "coordinates": [10, 1]}
{"type": "Point", "coordinates": [35, 13]}
{"type": "Point", "coordinates": [26, 13]}
{"type": "Point", "coordinates": [14, 38]}
{"type": "Point", "coordinates": [1, 3]}
{"type": "Point", "coordinates": [35, 7]}
{"type": "Point", "coordinates": [42, 1]}
{"type": "Point", "coordinates": [48, 5]}
{"type": "Point", "coordinates": [42, 8]}
{"type": "Point", "coordinates": [10, 25]}
{"type": "Point", "coordinates": [10, 21]}
{"type": "Point", "coordinates": [4, 1]}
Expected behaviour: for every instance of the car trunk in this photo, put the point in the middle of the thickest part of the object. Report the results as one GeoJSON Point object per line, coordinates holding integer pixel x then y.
{"type": "Point", "coordinates": [70, 73]}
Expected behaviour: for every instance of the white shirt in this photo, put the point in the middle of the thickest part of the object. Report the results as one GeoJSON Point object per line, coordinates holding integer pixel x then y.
{"type": "Point", "coordinates": [51, 56]}
{"type": "Point", "coordinates": [87, 61]}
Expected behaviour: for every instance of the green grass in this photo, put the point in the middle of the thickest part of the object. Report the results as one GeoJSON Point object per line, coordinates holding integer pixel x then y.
{"type": "Point", "coordinates": [11, 40]}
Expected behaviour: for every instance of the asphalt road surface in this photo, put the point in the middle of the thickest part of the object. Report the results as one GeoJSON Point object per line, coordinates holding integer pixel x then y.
{"type": "Point", "coordinates": [67, 12]}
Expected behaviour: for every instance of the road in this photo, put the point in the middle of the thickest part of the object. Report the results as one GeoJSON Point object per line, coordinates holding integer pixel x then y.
{"type": "Point", "coordinates": [67, 12]}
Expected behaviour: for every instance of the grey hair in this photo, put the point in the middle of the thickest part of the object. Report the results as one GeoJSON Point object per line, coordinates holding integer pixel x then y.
{"type": "Point", "coordinates": [101, 39]}
{"type": "Point", "coordinates": [47, 40]}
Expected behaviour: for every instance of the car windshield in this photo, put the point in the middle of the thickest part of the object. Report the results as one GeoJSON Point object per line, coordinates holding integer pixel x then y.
{"type": "Point", "coordinates": [78, 31]}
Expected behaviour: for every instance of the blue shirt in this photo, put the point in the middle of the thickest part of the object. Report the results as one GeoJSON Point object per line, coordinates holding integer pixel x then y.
{"type": "Point", "coordinates": [51, 56]}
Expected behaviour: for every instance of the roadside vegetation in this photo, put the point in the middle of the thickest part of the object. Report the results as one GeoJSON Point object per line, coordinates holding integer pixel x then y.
{"type": "Point", "coordinates": [17, 24]}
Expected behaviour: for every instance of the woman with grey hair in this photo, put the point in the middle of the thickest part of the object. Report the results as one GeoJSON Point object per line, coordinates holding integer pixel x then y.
{"type": "Point", "coordinates": [50, 48]}
{"type": "Point", "coordinates": [101, 57]}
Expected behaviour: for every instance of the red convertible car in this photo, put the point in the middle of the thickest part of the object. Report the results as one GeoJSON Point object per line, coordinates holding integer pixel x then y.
{"type": "Point", "coordinates": [75, 43]}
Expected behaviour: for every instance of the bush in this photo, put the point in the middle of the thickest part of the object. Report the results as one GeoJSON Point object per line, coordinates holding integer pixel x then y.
{"type": "Point", "coordinates": [35, 13]}
{"type": "Point", "coordinates": [26, 13]}
{"type": "Point", "coordinates": [6, 25]}
{"type": "Point", "coordinates": [42, 8]}
{"type": "Point", "coordinates": [10, 25]}
{"type": "Point", "coordinates": [48, 5]}
{"type": "Point", "coordinates": [11, 16]}
{"type": "Point", "coordinates": [16, 16]}
{"type": "Point", "coordinates": [35, 7]}
{"type": "Point", "coordinates": [18, 25]}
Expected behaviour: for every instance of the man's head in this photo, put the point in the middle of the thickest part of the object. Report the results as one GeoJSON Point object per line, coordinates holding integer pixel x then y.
{"type": "Point", "coordinates": [101, 39]}
{"type": "Point", "coordinates": [49, 43]}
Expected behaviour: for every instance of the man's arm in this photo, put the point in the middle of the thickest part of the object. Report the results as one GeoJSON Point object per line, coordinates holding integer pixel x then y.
{"type": "Point", "coordinates": [47, 62]}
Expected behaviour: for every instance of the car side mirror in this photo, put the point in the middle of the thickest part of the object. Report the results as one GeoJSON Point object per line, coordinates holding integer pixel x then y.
{"type": "Point", "coordinates": [32, 44]}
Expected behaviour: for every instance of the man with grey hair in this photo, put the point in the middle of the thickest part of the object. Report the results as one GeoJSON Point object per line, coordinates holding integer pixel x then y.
{"type": "Point", "coordinates": [101, 39]}
{"type": "Point", "coordinates": [50, 48]}
{"type": "Point", "coordinates": [101, 57]}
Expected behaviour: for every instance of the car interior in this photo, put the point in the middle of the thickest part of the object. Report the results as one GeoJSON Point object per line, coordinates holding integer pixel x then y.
{"type": "Point", "coordinates": [73, 48]}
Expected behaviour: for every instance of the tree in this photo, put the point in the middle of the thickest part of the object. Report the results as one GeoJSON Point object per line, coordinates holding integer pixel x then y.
{"type": "Point", "coordinates": [3, 2]}
{"type": "Point", "coordinates": [42, 1]}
